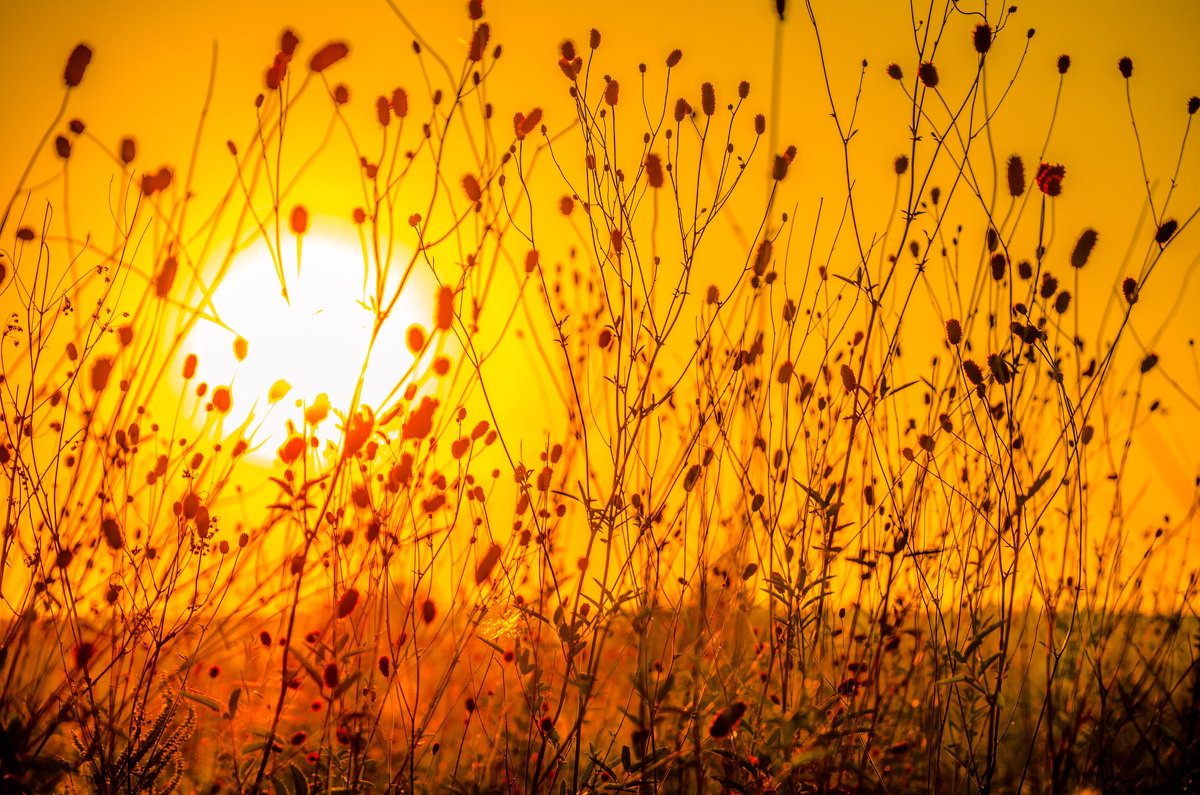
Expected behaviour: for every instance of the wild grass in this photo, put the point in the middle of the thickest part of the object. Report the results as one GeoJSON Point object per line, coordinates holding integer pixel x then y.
{"type": "Point", "coordinates": [851, 515]}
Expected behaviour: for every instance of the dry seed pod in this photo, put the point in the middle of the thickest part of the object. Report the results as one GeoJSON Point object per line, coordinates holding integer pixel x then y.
{"type": "Point", "coordinates": [77, 64]}
{"type": "Point", "coordinates": [328, 55]}
{"type": "Point", "coordinates": [953, 331]}
{"type": "Point", "coordinates": [1016, 176]}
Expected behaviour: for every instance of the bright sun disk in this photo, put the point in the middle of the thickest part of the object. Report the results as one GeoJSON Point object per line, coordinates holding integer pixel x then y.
{"type": "Point", "coordinates": [316, 341]}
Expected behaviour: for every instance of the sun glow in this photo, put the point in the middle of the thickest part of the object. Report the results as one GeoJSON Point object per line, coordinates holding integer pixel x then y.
{"type": "Point", "coordinates": [278, 356]}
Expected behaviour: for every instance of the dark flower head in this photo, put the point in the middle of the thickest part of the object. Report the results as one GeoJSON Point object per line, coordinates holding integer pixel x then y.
{"type": "Point", "coordinates": [1126, 67]}
{"type": "Point", "coordinates": [1049, 285]}
{"type": "Point", "coordinates": [895, 72]}
{"type": "Point", "coordinates": [1129, 288]}
{"type": "Point", "coordinates": [1193, 105]}
{"type": "Point", "coordinates": [928, 74]}
{"type": "Point", "coordinates": [983, 38]}
{"type": "Point", "coordinates": [708, 99]}
{"type": "Point", "coordinates": [901, 164]}
{"type": "Point", "coordinates": [682, 109]}
{"type": "Point", "coordinates": [1166, 231]}
{"type": "Point", "coordinates": [1083, 248]}
{"type": "Point", "coordinates": [780, 169]}
{"type": "Point", "coordinates": [999, 266]}
{"type": "Point", "coordinates": [1064, 63]}
{"type": "Point", "coordinates": [974, 374]}
{"type": "Point", "coordinates": [999, 368]}
{"type": "Point", "coordinates": [1050, 177]}
{"type": "Point", "coordinates": [953, 331]}
{"type": "Point", "coordinates": [77, 64]}
{"type": "Point", "coordinates": [1016, 176]}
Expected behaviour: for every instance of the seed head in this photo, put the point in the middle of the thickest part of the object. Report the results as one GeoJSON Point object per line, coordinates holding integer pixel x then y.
{"type": "Point", "coordinates": [1064, 63]}
{"type": "Point", "coordinates": [928, 74]}
{"type": "Point", "coordinates": [77, 64]}
{"type": "Point", "coordinates": [1126, 67]}
{"type": "Point", "coordinates": [999, 368]}
{"type": "Point", "coordinates": [953, 331]}
{"type": "Point", "coordinates": [999, 263]}
{"type": "Point", "coordinates": [779, 171]}
{"type": "Point", "coordinates": [708, 99]}
{"type": "Point", "coordinates": [479, 42]}
{"type": "Point", "coordinates": [1083, 248]}
{"type": "Point", "coordinates": [983, 38]}
{"type": "Point", "coordinates": [848, 380]}
{"type": "Point", "coordinates": [743, 89]}
{"type": "Point", "coordinates": [400, 103]}
{"type": "Point", "coordinates": [901, 164]}
{"type": "Point", "coordinates": [673, 58]}
{"type": "Point", "coordinates": [444, 318]}
{"type": "Point", "coordinates": [471, 187]}
{"type": "Point", "coordinates": [1130, 288]}
{"type": "Point", "coordinates": [298, 222]}
{"type": "Point", "coordinates": [1016, 176]}
{"type": "Point", "coordinates": [594, 39]}
{"type": "Point", "coordinates": [762, 257]}
{"type": "Point", "coordinates": [895, 72]}
{"type": "Point", "coordinates": [973, 372]}
{"type": "Point", "coordinates": [328, 55]}
{"type": "Point", "coordinates": [571, 68]}
{"type": "Point", "coordinates": [724, 721]}
{"type": "Point", "coordinates": [1049, 178]}
{"type": "Point", "coordinates": [760, 124]}
{"type": "Point", "coordinates": [682, 108]}
{"type": "Point", "coordinates": [347, 603]}
{"type": "Point", "coordinates": [1049, 285]}
{"type": "Point", "coordinates": [1193, 105]}
{"type": "Point", "coordinates": [287, 42]}
{"type": "Point", "coordinates": [654, 170]}
{"type": "Point", "coordinates": [1166, 231]}
{"type": "Point", "coordinates": [611, 91]}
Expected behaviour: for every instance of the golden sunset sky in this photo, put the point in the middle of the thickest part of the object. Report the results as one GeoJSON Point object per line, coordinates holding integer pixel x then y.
{"type": "Point", "coordinates": [152, 63]}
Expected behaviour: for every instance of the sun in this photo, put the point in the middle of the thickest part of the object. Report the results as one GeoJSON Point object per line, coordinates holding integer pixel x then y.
{"type": "Point", "coordinates": [276, 356]}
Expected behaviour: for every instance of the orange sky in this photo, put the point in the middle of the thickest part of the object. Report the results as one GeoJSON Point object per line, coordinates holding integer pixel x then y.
{"type": "Point", "coordinates": [152, 62]}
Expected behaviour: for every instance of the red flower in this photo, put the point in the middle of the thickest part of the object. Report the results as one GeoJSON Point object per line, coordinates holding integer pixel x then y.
{"type": "Point", "coordinates": [1049, 178]}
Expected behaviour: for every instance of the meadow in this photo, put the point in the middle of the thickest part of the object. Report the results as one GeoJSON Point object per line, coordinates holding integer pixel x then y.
{"type": "Point", "coordinates": [389, 438]}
